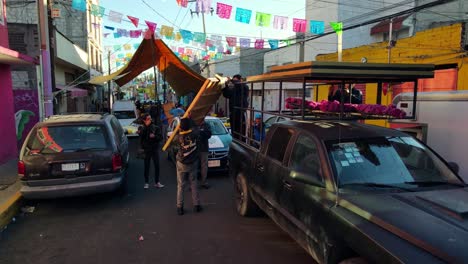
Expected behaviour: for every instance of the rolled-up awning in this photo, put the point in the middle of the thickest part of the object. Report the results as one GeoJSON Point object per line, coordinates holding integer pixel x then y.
{"type": "Point", "coordinates": [12, 57]}
{"type": "Point", "coordinates": [154, 52]}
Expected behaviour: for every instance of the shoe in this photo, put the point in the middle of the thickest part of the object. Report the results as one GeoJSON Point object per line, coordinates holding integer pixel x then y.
{"type": "Point", "coordinates": [146, 186]}
{"type": "Point", "coordinates": [180, 210]}
{"type": "Point", "coordinates": [205, 186]}
{"type": "Point", "coordinates": [158, 185]}
{"type": "Point", "coordinates": [197, 208]}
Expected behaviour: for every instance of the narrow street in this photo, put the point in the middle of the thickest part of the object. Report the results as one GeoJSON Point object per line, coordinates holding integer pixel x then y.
{"type": "Point", "coordinates": [106, 228]}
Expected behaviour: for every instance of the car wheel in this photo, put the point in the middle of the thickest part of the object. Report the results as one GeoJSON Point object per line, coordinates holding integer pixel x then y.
{"type": "Point", "coordinates": [244, 203]}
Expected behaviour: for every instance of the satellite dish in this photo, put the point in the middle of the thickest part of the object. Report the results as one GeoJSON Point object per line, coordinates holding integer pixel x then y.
{"type": "Point", "coordinates": [363, 59]}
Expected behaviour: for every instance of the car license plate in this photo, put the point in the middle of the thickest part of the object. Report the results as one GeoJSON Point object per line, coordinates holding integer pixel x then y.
{"type": "Point", "coordinates": [214, 163]}
{"type": "Point", "coordinates": [70, 167]}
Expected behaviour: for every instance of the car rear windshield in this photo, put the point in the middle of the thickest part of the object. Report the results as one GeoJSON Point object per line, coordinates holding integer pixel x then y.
{"type": "Point", "coordinates": [125, 114]}
{"type": "Point", "coordinates": [216, 126]}
{"type": "Point", "coordinates": [72, 138]}
{"type": "Point", "coordinates": [390, 160]}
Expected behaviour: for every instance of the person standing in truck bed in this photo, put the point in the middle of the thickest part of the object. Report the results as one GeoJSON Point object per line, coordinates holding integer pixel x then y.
{"type": "Point", "coordinates": [238, 94]}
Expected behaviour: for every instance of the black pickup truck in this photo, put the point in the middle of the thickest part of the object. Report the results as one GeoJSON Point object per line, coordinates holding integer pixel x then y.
{"type": "Point", "coordinates": [354, 193]}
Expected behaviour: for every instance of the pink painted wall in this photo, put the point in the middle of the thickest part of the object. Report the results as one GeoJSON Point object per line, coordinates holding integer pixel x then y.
{"type": "Point", "coordinates": [3, 27]}
{"type": "Point", "coordinates": [8, 149]}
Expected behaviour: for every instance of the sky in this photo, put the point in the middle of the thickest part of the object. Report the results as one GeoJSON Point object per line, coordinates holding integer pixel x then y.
{"type": "Point", "coordinates": [169, 13]}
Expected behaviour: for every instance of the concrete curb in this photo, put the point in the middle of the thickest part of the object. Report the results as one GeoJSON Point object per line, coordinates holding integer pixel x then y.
{"type": "Point", "coordinates": [9, 209]}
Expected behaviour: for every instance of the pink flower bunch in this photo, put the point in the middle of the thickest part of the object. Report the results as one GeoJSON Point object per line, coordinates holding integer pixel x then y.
{"type": "Point", "coordinates": [375, 109]}
{"type": "Point", "coordinates": [334, 106]}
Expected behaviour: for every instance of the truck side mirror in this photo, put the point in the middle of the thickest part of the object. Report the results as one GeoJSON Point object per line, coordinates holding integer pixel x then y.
{"type": "Point", "coordinates": [307, 178]}
{"type": "Point", "coordinates": [454, 166]}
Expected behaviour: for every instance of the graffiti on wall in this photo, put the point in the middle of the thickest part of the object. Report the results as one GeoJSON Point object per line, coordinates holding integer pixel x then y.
{"type": "Point", "coordinates": [26, 113]}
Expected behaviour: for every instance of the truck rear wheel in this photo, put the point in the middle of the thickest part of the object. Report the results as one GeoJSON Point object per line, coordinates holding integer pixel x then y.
{"type": "Point", "coordinates": [244, 203]}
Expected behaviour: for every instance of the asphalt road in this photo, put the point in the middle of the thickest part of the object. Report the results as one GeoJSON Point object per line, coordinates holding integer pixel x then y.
{"type": "Point", "coordinates": [106, 228]}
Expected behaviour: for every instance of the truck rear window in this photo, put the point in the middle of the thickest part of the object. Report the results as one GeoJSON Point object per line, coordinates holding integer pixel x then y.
{"type": "Point", "coordinates": [55, 139]}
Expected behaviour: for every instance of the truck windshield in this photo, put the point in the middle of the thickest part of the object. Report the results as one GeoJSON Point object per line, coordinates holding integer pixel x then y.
{"type": "Point", "coordinates": [125, 114]}
{"type": "Point", "coordinates": [390, 160]}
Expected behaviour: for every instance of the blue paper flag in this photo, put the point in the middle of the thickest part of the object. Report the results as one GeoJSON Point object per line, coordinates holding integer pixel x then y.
{"type": "Point", "coordinates": [274, 43]}
{"type": "Point", "coordinates": [317, 27]}
{"type": "Point", "coordinates": [79, 5]}
{"type": "Point", "coordinates": [243, 15]}
{"type": "Point", "coordinates": [186, 35]}
{"type": "Point", "coordinates": [110, 28]}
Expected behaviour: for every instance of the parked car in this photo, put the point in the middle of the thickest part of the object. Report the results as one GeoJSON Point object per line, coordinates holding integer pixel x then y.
{"type": "Point", "coordinates": [69, 155]}
{"type": "Point", "coordinates": [273, 119]}
{"type": "Point", "coordinates": [226, 123]}
{"type": "Point", "coordinates": [350, 191]}
{"type": "Point", "coordinates": [125, 112]}
{"type": "Point", "coordinates": [218, 143]}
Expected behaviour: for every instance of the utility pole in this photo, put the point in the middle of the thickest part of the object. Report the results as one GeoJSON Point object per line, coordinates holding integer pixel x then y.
{"type": "Point", "coordinates": [46, 67]}
{"type": "Point", "coordinates": [390, 40]}
{"type": "Point", "coordinates": [154, 69]}
{"type": "Point", "coordinates": [204, 33]}
{"type": "Point", "coordinates": [109, 82]}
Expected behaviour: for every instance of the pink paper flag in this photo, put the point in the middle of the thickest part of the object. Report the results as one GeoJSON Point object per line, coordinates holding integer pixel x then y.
{"type": "Point", "coordinates": [231, 41]}
{"type": "Point", "coordinates": [134, 20]}
{"type": "Point", "coordinates": [280, 22]}
{"type": "Point", "coordinates": [259, 43]}
{"type": "Point", "coordinates": [135, 33]}
{"type": "Point", "coordinates": [148, 34]}
{"type": "Point", "coordinates": [182, 3]}
{"type": "Point", "coordinates": [299, 25]}
{"type": "Point", "coordinates": [151, 25]}
{"type": "Point", "coordinates": [209, 43]}
{"type": "Point", "coordinates": [223, 10]}
{"type": "Point", "coordinates": [180, 50]}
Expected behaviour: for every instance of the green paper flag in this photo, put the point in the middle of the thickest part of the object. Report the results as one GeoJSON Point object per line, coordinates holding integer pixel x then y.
{"type": "Point", "coordinates": [337, 27]}
{"type": "Point", "coordinates": [262, 19]}
{"type": "Point", "coordinates": [97, 10]}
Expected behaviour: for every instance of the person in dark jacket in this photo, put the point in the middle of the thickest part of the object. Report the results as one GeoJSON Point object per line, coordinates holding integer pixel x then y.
{"type": "Point", "coordinates": [187, 162]}
{"type": "Point", "coordinates": [155, 112]}
{"type": "Point", "coordinates": [238, 95]}
{"type": "Point", "coordinates": [150, 136]}
{"type": "Point", "coordinates": [205, 134]}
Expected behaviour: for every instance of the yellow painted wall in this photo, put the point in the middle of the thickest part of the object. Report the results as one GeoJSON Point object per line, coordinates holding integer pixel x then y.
{"type": "Point", "coordinates": [437, 46]}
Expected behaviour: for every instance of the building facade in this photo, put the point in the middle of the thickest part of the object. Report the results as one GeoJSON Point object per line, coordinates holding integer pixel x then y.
{"type": "Point", "coordinates": [75, 42]}
{"type": "Point", "coordinates": [12, 122]}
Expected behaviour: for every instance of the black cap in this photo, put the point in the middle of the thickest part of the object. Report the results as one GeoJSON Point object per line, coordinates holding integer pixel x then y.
{"type": "Point", "coordinates": [185, 124]}
{"type": "Point", "coordinates": [238, 76]}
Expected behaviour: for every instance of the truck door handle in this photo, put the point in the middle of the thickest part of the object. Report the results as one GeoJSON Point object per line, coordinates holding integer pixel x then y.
{"type": "Point", "coordinates": [260, 168]}
{"type": "Point", "coordinates": [287, 185]}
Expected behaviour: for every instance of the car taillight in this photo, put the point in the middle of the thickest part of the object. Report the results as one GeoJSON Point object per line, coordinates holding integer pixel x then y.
{"type": "Point", "coordinates": [116, 162]}
{"type": "Point", "coordinates": [21, 168]}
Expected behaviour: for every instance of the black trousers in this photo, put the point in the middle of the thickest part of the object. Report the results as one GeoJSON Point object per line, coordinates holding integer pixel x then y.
{"type": "Point", "coordinates": [152, 155]}
{"type": "Point", "coordinates": [237, 120]}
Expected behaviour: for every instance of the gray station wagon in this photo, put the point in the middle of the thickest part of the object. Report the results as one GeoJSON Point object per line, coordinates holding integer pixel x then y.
{"type": "Point", "coordinates": [68, 155]}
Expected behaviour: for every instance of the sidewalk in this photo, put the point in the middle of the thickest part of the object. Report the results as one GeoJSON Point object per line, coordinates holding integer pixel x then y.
{"type": "Point", "coordinates": [10, 197]}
